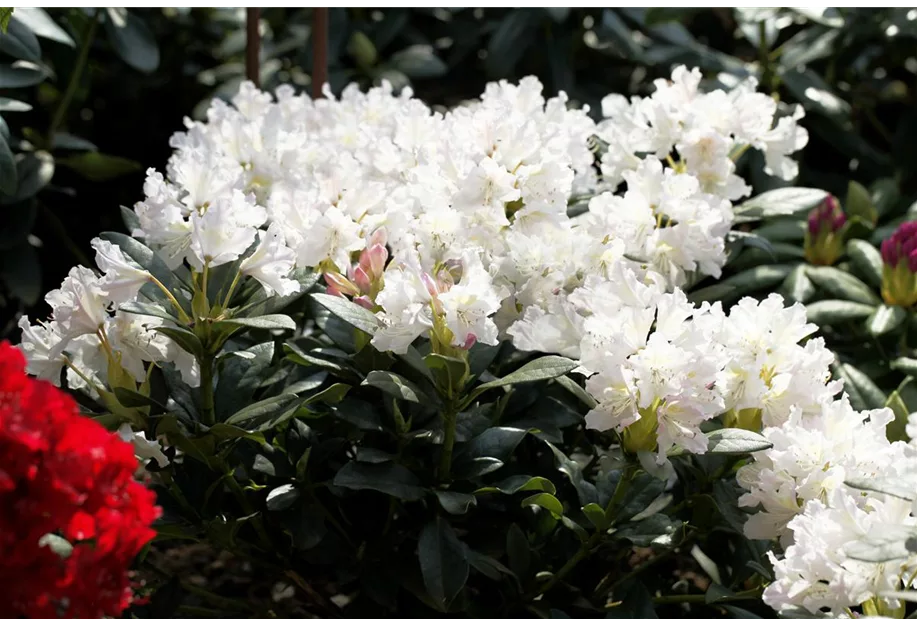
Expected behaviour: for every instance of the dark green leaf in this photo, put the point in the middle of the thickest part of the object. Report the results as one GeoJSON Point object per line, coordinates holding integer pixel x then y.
{"type": "Point", "coordinates": [798, 287]}
{"type": "Point", "coordinates": [19, 42]}
{"type": "Point", "coordinates": [14, 106]}
{"type": "Point", "coordinates": [266, 413]}
{"type": "Point", "coordinates": [842, 284]}
{"type": "Point", "coordinates": [34, 170]}
{"type": "Point", "coordinates": [885, 319]}
{"type": "Point", "coordinates": [347, 311]}
{"type": "Point", "coordinates": [40, 23]}
{"type": "Point", "coordinates": [596, 515]}
{"type": "Point", "coordinates": [269, 322]}
{"type": "Point", "coordinates": [755, 279]}
{"type": "Point", "coordinates": [780, 202]}
{"type": "Point", "coordinates": [132, 40]}
{"type": "Point", "coordinates": [859, 203]}
{"type": "Point", "coordinates": [905, 365]}
{"type": "Point", "coordinates": [98, 167]}
{"type": "Point", "coordinates": [867, 260]}
{"type": "Point", "coordinates": [21, 74]}
{"type": "Point", "coordinates": [388, 478]}
{"type": "Point", "coordinates": [184, 338]}
{"type": "Point", "coordinates": [496, 442]}
{"type": "Point", "coordinates": [519, 483]}
{"type": "Point", "coordinates": [547, 501]}
{"type": "Point", "coordinates": [455, 503]}
{"type": "Point", "coordinates": [8, 178]}
{"type": "Point", "coordinates": [834, 311]}
{"type": "Point", "coordinates": [396, 386]}
{"type": "Point", "coordinates": [443, 562]}
{"type": "Point", "coordinates": [282, 498]}
{"type": "Point", "coordinates": [241, 374]}
{"type": "Point", "coordinates": [736, 442]}
{"type": "Point", "coordinates": [510, 41]}
{"type": "Point", "coordinates": [541, 369]}
{"type": "Point", "coordinates": [419, 61]}
{"type": "Point", "coordinates": [864, 394]}
{"type": "Point", "coordinates": [147, 309]}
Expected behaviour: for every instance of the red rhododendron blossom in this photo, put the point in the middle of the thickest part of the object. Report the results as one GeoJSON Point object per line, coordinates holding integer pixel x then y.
{"type": "Point", "coordinates": [72, 516]}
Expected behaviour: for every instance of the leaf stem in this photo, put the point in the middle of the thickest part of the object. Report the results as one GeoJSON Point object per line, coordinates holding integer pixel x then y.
{"type": "Point", "coordinates": [182, 314]}
{"type": "Point", "coordinates": [584, 550]}
{"type": "Point", "coordinates": [449, 420]}
{"type": "Point", "coordinates": [207, 405]}
{"type": "Point", "coordinates": [232, 289]}
{"type": "Point", "coordinates": [74, 81]}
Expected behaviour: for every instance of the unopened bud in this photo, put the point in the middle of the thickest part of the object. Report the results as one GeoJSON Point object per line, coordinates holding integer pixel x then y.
{"type": "Point", "coordinates": [365, 302]}
{"type": "Point", "coordinates": [469, 341]}
{"type": "Point", "coordinates": [899, 266]}
{"type": "Point", "coordinates": [362, 280]}
{"type": "Point", "coordinates": [338, 285]}
{"type": "Point", "coordinates": [827, 226]}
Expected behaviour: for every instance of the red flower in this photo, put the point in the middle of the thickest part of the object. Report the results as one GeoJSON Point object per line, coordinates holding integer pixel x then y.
{"type": "Point", "coordinates": [64, 474]}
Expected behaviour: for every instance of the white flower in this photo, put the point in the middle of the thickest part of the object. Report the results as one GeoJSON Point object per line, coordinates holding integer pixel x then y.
{"type": "Point", "coordinates": [271, 263]}
{"type": "Point", "coordinates": [469, 304]}
{"type": "Point", "coordinates": [80, 306]}
{"type": "Point", "coordinates": [224, 231]}
{"type": "Point", "coordinates": [123, 278]}
{"type": "Point", "coordinates": [144, 449]}
{"type": "Point", "coordinates": [38, 344]}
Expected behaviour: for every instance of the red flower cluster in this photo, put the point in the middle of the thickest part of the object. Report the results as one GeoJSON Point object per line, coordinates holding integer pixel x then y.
{"type": "Point", "coordinates": [64, 474]}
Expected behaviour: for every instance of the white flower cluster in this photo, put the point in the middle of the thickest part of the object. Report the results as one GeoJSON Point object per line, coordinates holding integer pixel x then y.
{"type": "Point", "coordinates": [799, 486]}
{"type": "Point", "coordinates": [658, 384]}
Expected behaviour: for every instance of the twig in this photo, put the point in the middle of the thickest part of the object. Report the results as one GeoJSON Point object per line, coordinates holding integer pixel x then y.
{"type": "Point", "coordinates": [253, 46]}
{"type": "Point", "coordinates": [319, 51]}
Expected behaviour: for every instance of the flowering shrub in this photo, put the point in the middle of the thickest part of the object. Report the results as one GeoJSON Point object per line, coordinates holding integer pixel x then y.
{"type": "Point", "coordinates": [416, 363]}
{"type": "Point", "coordinates": [75, 518]}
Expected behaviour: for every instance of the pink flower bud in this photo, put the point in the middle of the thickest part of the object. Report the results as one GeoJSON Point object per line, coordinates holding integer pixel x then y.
{"type": "Point", "coordinates": [365, 302]}
{"type": "Point", "coordinates": [338, 285]}
{"type": "Point", "coordinates": [362, 280]}
{"type": "Point", "coordinates": [378, 255]}
{"type": "Point", "coordinates": [430, 284]}
{"type": "Point", "coordinates": [469, 341]}
{"type": "Point", "coordinates": [380, 236]}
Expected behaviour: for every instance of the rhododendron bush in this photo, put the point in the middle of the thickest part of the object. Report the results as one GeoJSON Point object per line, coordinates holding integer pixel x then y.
{"type": "Point", "coordinates": [478, 362]}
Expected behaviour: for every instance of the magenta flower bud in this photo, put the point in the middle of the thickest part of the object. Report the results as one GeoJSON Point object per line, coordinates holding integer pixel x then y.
{"type": "Point", "coordinates": [899, 271]}
{"type": "Point", "coordinates": [824, 241]}
{"type": "Point", "coordinates": [365, 302]}
{"type": "Point", "coordinates": [362, 280]}
{"type": "Point", "coordinates": [469, 341]}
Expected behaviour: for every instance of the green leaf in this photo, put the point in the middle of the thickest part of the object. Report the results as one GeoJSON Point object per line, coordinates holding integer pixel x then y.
{"type": "Point", "coordinates": [756, 279]}
{"type": "Point", "coordinates": [541, 369]}
{"type": "Point", "coordinates": [905, 365]}
{"type": "Point", "coordinates": [387, 477]}
{"type": "Point", "coordinates": [897, 429]}
{"type": "Point", "coordinates": [834, 311]}
{"type": "Point", "coordinates": [842, 284]}
{"type": "Point", "coordinates": [282, 498]}
{"type": "Point", "coordinates": [21, 271]}
{"type": "Point", "coordinates": [798, 287]}
{"type": "Point", "coordinates": [152, 263]}
{"type": "Point", "coordinates": [547, 501]}
{"type": "Point", "coordinates": [132, 40]}
{"type": "Point", "coordinates": [271, 322]}
{"type": "Point", "coordinates": [496, 442]}
{"type": "Point", "coordinates": [350, 313]}
{"type": "Point", "coordinates": [779, 202]}
{"type": "Point", "coordinates": [443, 562]}
{"type": "Point", "coordinates": [884, 543]}
{"type": "Point", "coordinates": [19, 42]}
{"type": "Point", "coordinates": [130, 398]}
{"type": "Point", "coordinates": [362, 49]}
{"type": "Point", "coordinates": [867, 260]}
{"type": "Point", "coordinates": [241, 373]}
{"type": "Point", "coordinates": [902, 487]}
{"type": "Point", "coordinates": [455, 503]}
{"type": "Point", "coordinates": [34, 171]}
{"type": "Point", "coordinates": [396, 386]}
{"type": "Point", "coordinates": [509, 42]}
{"type": "Point", "coordinates": [14, 106]}
{"type": "Point", "coordinates": [518, 551]}
{"type": "Point", "coordinates": [266, 413]}
{"type": "Point", "coordinates": [519, 483]}
{"type": "Point", "coordinates": [21, 74]}
{"type": "Point", "coordinates": [811, 90]}
{"type": "Point", "coordinates": [98, 167]}
{"type": "Point", "coordinates": [419, 61]}
{"type": "Point", "coordinates": [859, 203]}
{"type": "Point", "coordinates": [184, 338]}
{"type": "Point", "coordinates": [147, 309]}
{"type": "Point", "coordinates": [736, 442]}
{"type": "Point", "coordinates": [40, 23]}
{"type": "Point", "coordinates": [864, 394]}
{"type": "Point", "coordinates": [451, 371]}
{"type": "Point", "coordinates": [8, 178]}
{"type": "Point", "coordinates": [596, 515]}
{"type": "Point", "coordinates": [885, 319]}
{"type": "Point", "coordinates": [306, 526]}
